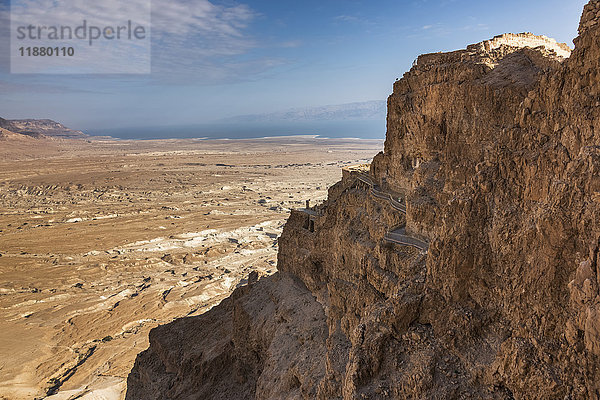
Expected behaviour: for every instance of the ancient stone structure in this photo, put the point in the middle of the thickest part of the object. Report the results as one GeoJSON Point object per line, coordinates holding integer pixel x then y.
{"type": "Point", "coordinates": [496, 151]}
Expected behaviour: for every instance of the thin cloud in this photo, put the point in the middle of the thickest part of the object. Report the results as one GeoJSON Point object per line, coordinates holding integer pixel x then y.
{"type": "Point", "coordinates": [291, 44]}
{"type": "Point", "coordinates": [347, 18]}
{"type": "Point", "coordinates": [104, 56]}
{"type": "Point", "coordinates": [200, 17]}
{"type": "Point", "coordinates": [192, 41]}
{"type": "Point", "coordinates": [476, 27]}
{"type": "Point", "coordinates": [8, 88]}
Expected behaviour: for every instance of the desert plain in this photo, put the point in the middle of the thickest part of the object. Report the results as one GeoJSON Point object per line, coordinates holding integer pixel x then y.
{"type": "Point", "coordinates": [102, 240]}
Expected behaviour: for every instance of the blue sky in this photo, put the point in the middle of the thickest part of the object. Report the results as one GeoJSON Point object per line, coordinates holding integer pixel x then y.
{"type": "Point", "coordinates": [217, 59]}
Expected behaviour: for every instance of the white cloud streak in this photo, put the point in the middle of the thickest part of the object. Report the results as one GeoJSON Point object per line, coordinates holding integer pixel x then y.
{"type": "Point", "coordinates": [192, 40]}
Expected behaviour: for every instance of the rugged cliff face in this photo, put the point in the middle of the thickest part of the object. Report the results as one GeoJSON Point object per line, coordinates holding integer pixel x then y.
{"type": "Point", "coordinates": [494, 154]}
{"type": "Point", "coordinates": [40, 128]}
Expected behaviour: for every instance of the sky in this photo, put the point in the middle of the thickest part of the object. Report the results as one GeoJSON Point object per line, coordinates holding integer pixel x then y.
{"type": "Point", "coordinates": [216, 59]}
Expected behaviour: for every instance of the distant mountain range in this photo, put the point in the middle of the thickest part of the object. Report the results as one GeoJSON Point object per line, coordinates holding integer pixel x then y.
{"type": "Point", "coordinates": [39, 128]}
{"type": "Point", "coordinates": [351, 111]}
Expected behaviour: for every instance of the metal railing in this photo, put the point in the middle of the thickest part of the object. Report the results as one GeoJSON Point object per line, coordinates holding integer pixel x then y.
{"type": "Point", "coordinates": [377, 192]}
{"type": "Point", "coordinates": [398, 235]}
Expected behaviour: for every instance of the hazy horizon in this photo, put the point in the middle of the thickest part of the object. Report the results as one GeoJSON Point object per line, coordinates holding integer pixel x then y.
{"type": "Point", "coordinates": [361, 129]}
{"type": "Point", "coordinates": [215, 60]}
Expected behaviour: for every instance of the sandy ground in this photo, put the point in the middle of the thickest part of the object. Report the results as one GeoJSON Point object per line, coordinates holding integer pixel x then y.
{"type": "Point", "coordinates": [101, 241]}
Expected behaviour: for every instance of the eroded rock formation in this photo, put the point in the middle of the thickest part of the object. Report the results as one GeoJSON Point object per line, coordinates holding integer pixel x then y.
{"type": "Point", "coordinates": [40, 128]}
{"type": "Point", "coordinates": [495, 150]}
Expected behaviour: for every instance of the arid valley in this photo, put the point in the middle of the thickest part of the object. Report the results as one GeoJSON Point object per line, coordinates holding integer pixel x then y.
{"type": "Point", "coordinates": [102, 240]}
{"type": "Point", "coordinates": [431, 232]}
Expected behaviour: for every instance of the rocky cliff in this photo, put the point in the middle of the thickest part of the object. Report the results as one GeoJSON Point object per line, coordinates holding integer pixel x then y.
{"type": "Point", "coordinates": [492, 162]}
{"type": "Point", "coordinates": [6, 133]}
{"type": "Point", "coordinates": [40, 128]}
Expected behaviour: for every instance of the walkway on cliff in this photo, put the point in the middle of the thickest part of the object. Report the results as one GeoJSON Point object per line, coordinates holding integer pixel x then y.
{"type": "Point", "coordinates": [397, 235]}
{"type": "Point", "coordinates": [309, 211]}
{"type": "Point", "coordinates": [377, 192]}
